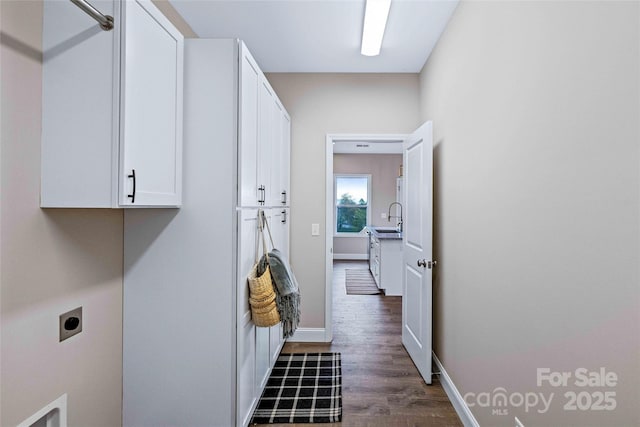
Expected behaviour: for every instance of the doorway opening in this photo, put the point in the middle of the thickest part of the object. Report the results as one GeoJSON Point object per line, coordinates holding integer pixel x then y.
{"type": "Point", "coordinates": [346, 235]}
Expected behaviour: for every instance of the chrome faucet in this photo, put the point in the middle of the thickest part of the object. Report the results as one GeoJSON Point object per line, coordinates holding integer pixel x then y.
{"type": "Point", "coordinates": [389, 216]}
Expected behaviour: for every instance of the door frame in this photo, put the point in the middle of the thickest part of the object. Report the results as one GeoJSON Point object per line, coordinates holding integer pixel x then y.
{"type": "Point", "coordinates": [332, 138]}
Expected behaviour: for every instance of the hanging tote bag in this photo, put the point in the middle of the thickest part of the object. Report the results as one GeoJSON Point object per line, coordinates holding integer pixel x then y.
{"type": "Point", "coordinates": [262, 295]}
{"type": "Point", "coordinates": [286, 287]}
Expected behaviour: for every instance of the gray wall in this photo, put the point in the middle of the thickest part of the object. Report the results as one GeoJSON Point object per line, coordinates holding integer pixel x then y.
{"type": "Point", "coordinates": [383, 169]}
{"type": "Point", "coordinates": [332, 103]}
{"type": "Point", "coordinates": [535, 108]}
{"type": "Point", "coordinates": [52, 261]}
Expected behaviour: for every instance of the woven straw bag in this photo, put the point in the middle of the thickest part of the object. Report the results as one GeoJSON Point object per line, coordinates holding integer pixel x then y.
{"type": "Point", "coordinates": [262, 295]}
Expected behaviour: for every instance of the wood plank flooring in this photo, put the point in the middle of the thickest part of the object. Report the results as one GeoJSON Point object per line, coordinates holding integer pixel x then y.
{"type": "Point", "coordinates": [380, 384]}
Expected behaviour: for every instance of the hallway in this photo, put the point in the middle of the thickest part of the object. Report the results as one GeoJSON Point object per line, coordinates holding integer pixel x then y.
{"type": "Point", "coordinates": [380, 384]}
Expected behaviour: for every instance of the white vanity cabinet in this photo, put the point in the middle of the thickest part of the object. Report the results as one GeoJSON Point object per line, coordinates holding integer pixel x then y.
{"type": "Point", "coordinates": [374, 258]}
{"type": "Point", "coordinates": [112, 107]}
{"type": "Point", "coordinates": [264, 132]}
{"type": "Point", "coordinates": [385, 262]}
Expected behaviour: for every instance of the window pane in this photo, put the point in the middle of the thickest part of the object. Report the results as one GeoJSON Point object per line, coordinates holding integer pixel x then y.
{"type": "Point", "coordinates": [351, 190]}
{"type": "Point", "coordinates": [351, 219]}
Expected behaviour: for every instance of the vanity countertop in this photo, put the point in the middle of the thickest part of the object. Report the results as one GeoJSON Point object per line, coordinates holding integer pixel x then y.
{"type": "Point", "coordinates": [384, 233]}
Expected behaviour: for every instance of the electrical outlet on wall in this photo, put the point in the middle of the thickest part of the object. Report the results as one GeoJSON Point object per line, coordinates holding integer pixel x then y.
{"type": "Point", "coordinates": [70, 323]}
{"type": "Point", "coordinates": [383, 215]}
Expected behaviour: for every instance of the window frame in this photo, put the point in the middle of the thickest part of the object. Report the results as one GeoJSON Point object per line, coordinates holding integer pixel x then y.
{"type": "Point", "coordinates": [336, 176]}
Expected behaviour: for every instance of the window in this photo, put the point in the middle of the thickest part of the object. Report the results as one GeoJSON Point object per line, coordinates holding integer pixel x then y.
{"type": "Point", "coordinates": [352, 196]}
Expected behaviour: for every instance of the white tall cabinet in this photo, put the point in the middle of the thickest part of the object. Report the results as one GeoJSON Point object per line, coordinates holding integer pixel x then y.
{"type": "Point", "coordinates": [112, 107]}
{"type": "Point", "coordinates": [262, 183]}
{"type": "Point", "coordinates": [192, 356]}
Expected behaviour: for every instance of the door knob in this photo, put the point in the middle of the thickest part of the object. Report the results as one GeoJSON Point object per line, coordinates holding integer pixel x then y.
{"type": "Point", "coordinates": [422, 263]}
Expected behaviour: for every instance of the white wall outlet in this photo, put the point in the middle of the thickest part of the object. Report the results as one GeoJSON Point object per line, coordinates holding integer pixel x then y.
{"type": "Point", "coordinates": [315, 229]}
{"type": "Point", "coordinates": [383, 215]}
{"type": "Point", "coordinates": [519, 423]}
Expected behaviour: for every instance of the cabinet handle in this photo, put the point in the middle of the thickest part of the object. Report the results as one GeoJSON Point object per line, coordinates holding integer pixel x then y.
{"type": "Point", "coordinates": [132, 196]}
{"type": "Point", "coordinates": [284, 217]}
{"type": "Point", "coordinates": [261, 199]}
{"type": "Point", "coordinates": [284, 197]}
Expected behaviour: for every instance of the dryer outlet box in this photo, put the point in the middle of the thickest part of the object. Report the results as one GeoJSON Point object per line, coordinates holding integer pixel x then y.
{"type": "Point", "coordinates": [70, 323]}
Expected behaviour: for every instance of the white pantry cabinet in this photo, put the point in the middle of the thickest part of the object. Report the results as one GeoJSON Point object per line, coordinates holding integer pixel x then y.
{"type": "Point", "coordinates": [264, 126]}
{"type": "Point", "coordinates": [192, 264]}
{"type": "Point", "coordinates": [285, 159]}
{"type": "Point", "coordinates": [112, 107]}
{"type": "Point", "coordinates": [258, 348]}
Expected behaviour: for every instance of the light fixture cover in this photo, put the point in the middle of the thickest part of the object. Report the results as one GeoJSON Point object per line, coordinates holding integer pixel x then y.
{"type": "Point", "coordinates": [375, 21]}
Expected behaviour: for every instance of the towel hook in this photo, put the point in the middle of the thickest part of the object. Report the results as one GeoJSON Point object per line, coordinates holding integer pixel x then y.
{"type": "Point", "coordinates": [105, 21]}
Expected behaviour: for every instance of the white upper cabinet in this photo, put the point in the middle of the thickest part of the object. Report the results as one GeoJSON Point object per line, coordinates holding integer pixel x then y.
{"type": "Point", "coordinates": [285, 159]}
{"type": "Point", "coordinates": [112, 107]}
{"type": "Point", "coordinates": [262, 162]}
{"type": "Point", "coordinates": [151, 108]}
{"type": "Point", "coordinates": [250, 76]}
{"type": "Point", "coordinates": [266, 144]}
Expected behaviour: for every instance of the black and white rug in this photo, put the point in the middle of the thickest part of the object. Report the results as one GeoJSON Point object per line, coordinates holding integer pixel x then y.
{"type": "Point", "coordinates": [302, 388]}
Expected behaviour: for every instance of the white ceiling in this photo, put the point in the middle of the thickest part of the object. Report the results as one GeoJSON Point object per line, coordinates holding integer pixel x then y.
{"type": "Point", "coordinates": [321, 35]}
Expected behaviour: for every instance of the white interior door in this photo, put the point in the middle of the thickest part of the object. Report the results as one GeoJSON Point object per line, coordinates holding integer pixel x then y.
{"type": "Point", "coordinates": [416, 244]}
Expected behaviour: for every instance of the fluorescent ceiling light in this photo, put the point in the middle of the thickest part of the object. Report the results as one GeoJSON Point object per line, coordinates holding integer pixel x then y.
{"type": "Point", "coordinates": [375, 21]}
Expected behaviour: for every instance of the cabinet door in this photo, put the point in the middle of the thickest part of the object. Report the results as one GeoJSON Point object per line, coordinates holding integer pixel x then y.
{"type": "Point", "coordinates": [263, 355]}
{"type": "Point", "coordinates": [283, 225]}
{"type": "Point", "coordinates": [151, 109]}
{"type": "Point", "coordinates": [285, 162]}
{"type": "Point", "coordinates": [275, 343]}
{"type": "Point", "coordinates": [250, 76]}
{"type": "Point", "coordinates": [372, 255]}
{"type": "Point", "coordinates": [246, 344]}
{"type": "Point", "coordinates": [279, 226]}
{"type": "Point", "coordinates": [263, 358]}
{"type": "Point", "coordinates": [275, 162]}
{"type": "Point", "coordinates": [79, 154]}
{"type": "Point", "coordinates": [265, 142]}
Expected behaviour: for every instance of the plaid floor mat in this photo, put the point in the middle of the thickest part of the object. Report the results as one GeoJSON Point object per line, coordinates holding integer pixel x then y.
{"type": "Point", "coordinates": [302, 388]}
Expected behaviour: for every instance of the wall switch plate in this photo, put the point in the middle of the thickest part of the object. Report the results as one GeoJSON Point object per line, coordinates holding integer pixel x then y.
{"type": "Point", "coordinates": [70, 323]}
{"type": "Point", "coordinates": [315, 229]}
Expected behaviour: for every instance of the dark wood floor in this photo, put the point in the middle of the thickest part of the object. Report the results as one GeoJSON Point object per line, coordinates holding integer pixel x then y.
{"type": "Point", "coordinates": [380, 384]}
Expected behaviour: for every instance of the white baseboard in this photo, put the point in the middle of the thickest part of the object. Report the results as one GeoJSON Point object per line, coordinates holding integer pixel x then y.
{"type": "Point", "coordinates": [351, 256]}
{"type": "Point", "coordinates": [308, 335]}
{"type": "Point", "coordinates": [455, 397]}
